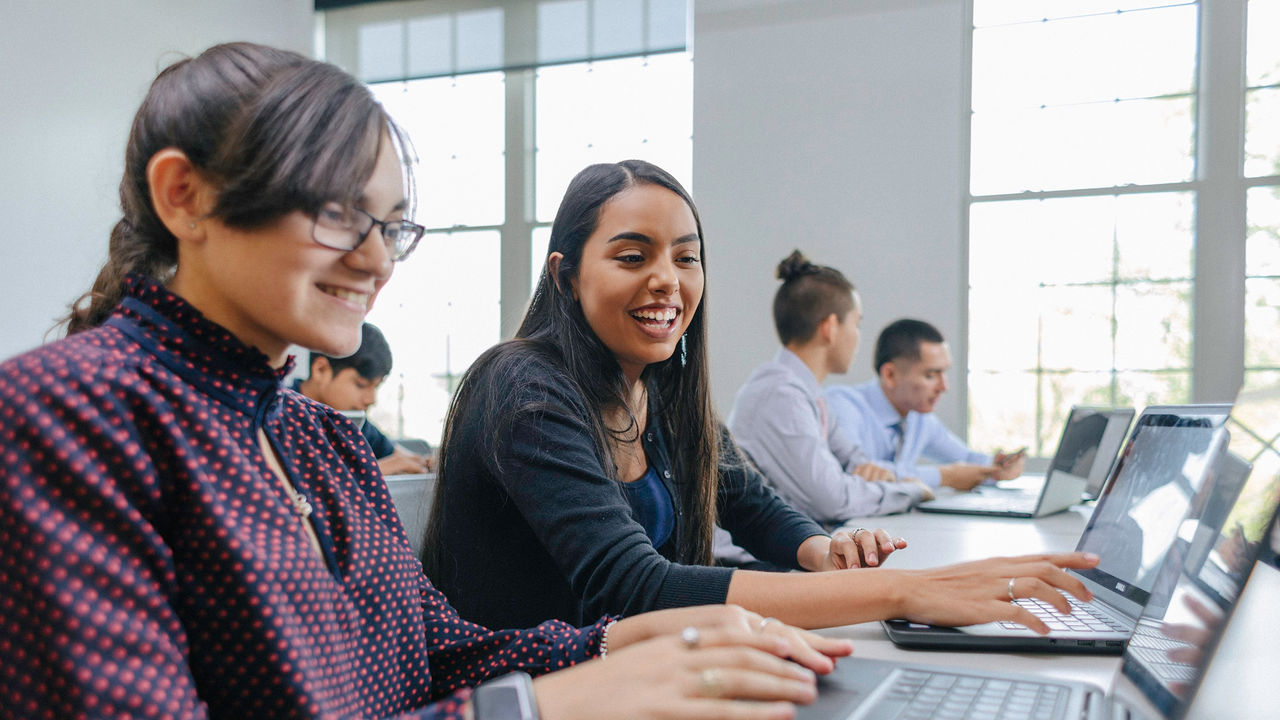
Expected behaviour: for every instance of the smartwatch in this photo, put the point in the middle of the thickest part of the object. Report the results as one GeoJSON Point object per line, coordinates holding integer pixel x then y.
{"type": "Point", "coordinates": [509, 697]}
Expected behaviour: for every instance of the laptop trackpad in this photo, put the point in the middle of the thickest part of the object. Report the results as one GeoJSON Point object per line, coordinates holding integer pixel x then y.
{"type": "Point", "coordinates": [847, 688]}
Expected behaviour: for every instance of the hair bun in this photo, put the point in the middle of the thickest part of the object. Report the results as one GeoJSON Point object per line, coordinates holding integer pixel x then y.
{"type": "Point", "coordinates": [796, 265]}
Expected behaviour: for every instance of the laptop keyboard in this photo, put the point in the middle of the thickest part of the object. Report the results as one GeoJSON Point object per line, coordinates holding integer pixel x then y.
{"type": "Point", "coordinates": [1152, 647]}
{"type": "Point", "coordinates": [1004, 502]}
{"type": "Point", "coordinates": [924, 695]}
{"type": "Point", "coordinates": [1083, 618]}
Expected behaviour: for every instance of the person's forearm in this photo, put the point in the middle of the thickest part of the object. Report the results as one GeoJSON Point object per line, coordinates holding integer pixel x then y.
{"type": "Point", "coordinates": [946, 476]}
{"type": "Point", "coordinates": [854, 497]}
{"type": "Point", "coordinates": [811, 552]}
{"type": "Point", "coordinates": [816, 600]}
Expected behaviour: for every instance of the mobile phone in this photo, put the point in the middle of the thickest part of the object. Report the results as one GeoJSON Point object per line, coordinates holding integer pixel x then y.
{"type": "Point", "coordinates": [1013, 455]}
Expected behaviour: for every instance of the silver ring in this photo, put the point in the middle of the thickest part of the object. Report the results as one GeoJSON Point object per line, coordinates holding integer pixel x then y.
{"type": "Point", "coordinates": [765, 622]}
{"type": "Point", "coordinates": [855, 532]}
{"type": "Point", "coordinates": [1011, 596]}
{"type": "Point", "coordinates": [711, 682]}
{"type": "Point", "coordinates": [690, 637]}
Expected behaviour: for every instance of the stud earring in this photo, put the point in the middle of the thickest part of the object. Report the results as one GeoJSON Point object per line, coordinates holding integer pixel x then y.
{"type": "Point", "coordinates": [192, 224]}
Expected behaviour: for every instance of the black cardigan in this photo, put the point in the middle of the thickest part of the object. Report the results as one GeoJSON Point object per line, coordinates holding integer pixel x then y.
{"type": "Point", "coordinates": [532, 527]}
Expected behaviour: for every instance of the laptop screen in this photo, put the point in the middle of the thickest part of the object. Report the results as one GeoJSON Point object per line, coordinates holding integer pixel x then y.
{"type": "Point", "coordinates": [1108, 444]}
{"type": "Point", "coordinates": [1089, 443]}
{"type": "Point", "coordinates": [1206, 571]}
{"type": "Point", "coordinates": [1078, 448]}
{"type": "Point", "coordinates": [1160, 470]}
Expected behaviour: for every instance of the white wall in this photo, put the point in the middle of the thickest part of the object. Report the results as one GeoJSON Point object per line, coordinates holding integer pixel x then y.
{"type": "Point", "coordinates": [836, 127]}
{"type": "Point", "coordinates": [74, 73]}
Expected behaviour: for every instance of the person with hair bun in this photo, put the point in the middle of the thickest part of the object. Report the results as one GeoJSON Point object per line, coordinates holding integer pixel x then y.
{"type": "Point", "coordinates": [780, 419]}
{"type": "Point", "coordinates": [583, 469]}
{"type": "Point", "coordinates": [187, 538]}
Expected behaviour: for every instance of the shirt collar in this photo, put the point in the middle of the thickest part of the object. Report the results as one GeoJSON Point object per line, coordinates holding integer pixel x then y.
{"type": "Point", "coordinates": [193, 346]}
{"type": "Point", "coordinates": [792, 362]}
{"type": "Point", "coordinates": [880, 405]}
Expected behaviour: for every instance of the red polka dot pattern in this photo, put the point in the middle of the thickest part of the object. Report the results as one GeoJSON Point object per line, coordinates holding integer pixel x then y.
{"type": "Point", "coordinates": [152, 566]}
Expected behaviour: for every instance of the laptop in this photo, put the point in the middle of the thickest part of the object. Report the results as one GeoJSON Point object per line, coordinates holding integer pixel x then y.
{"type": "Point", "coordinates": [1161, 675]}
{"type": "Point", "coordinates": [1163, 466]}
{"type": "Point", "coordinates": [1086, 451]}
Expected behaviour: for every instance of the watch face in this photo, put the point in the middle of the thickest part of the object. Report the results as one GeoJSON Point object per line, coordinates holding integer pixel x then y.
{"type": "Point", "coordinates": [509, 697]}
{"type": "Point", "coordinates": [501, 703]}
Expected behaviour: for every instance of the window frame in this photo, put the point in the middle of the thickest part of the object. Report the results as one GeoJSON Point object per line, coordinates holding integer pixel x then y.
{"type": "Point", "coordinates": [336, 40]}
{"type": "Point", "coordinates": [1218, 190]}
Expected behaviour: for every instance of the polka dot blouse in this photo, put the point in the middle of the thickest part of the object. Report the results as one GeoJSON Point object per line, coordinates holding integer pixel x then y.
{"type": "Point", "coordinates": [152, 565]}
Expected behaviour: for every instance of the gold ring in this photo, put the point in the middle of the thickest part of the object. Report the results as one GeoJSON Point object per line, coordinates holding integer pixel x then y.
{"type": "Point", "coordinates": [690, 637]}
{"type": "Point", "coordinates": [1011, 596]}
{"type": "Point", "coordinates": [765, 622]}
{"type": "Point", "coordinates": [711, 682]}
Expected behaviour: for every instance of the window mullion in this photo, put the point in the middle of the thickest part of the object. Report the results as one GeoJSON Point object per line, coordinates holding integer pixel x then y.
{"type": "Point", "coordinates": [521, 37]}
{"type": "Point", "coordinates": [1219, 290]}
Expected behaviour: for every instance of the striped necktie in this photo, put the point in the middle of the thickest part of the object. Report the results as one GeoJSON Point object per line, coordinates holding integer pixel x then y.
{"type": "Point", "coordinates": [899, 433]}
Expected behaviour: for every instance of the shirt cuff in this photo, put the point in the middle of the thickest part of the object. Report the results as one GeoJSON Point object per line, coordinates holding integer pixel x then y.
{"type": "Point", "coordinates": [687, 585]}
{"type": "Point", "coordinates": [930, 475]}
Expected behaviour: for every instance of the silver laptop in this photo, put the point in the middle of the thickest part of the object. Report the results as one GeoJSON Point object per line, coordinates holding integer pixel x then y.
{"type": "Point", "coordinates": [1161, 673]}
{"type": "Point", "coordinates": [1086, 452]}
{"type": "Point", "coordinates": [1165, 462]}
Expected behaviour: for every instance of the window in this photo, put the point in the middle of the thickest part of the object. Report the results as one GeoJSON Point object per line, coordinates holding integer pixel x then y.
{"type": "Point", "coordinates": [504, 100]}
{"type": "Point", "coordinates": [1258, 409]}
{"type": "Point", "coordinates": [638, 108]}
{"type": "Point", "coordinates": [657, 92]}
{"type": "Point", "coordinates": [1105, 190]}
{"type": "Point", "coordinates": [436, 317]}
{"type": "Point", "coordinates": [1090, 300]}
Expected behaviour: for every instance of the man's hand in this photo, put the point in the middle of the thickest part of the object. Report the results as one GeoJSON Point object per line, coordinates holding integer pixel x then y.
{"type": "Point", "coordinates": [965, 476]}
{"type": "Point", "coordinates": [874, 473]}
{"type": "Point", "coordinates": [1009, 465]}
{"type": "Point", "coordinates": [402, 462]}
{"type": "Point", "coordinates": [926, 491]}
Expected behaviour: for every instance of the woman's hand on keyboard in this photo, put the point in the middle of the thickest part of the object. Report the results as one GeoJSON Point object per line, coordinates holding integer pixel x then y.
{"type": "Point", "coordinates": [979, 592]}
{"type": "Point", "coordinates": [815, 652]}
{"type": "Point", "coordinates": [710, 672]}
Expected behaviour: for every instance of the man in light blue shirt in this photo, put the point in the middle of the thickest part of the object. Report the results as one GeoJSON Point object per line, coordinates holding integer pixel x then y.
{"type": "Point", "coordinates": [779, 417]}
{"type": "Point", "coordinates": [891, 417]}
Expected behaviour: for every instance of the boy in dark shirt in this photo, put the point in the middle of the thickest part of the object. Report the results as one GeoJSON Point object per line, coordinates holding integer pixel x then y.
{"type": "Point", "coordinates": [351, 384]}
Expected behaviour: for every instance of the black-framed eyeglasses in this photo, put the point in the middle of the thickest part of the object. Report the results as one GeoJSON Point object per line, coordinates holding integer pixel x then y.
{"type": "Point", "coordinates": [345, 228]}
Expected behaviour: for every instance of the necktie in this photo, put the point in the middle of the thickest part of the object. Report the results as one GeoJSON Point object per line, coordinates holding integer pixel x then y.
{"type": "Point", "coordinates": [822, 414]}
{"type": "Point", "coordinates": [899, 432]}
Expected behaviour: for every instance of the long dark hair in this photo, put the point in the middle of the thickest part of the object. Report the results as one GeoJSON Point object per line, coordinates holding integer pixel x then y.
{"type": "Point", "coordinates": [554, 328]}
{"type": "Point", "coordinates": [273, 130]}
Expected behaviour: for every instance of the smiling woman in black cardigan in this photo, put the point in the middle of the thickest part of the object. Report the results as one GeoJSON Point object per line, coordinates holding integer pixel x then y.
{"type": "Point", "coordinates": [583, 470]}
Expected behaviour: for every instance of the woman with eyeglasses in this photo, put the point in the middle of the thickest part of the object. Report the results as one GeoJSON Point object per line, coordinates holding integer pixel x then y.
{"type": "Point", "coordinates": [582, 468]}
{"type": "Point", "coordinates": [185, 538]}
